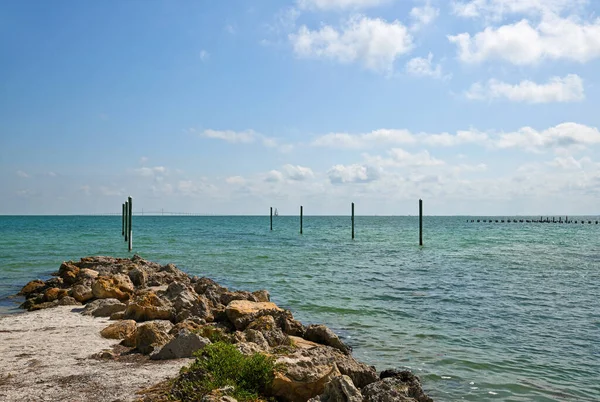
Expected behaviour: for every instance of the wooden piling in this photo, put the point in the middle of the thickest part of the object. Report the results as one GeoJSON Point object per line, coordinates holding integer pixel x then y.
{"type": "Point", "coordinates": [126, 220]}
{"type": "Point", "coordinates": [301, 213]}
{"type": "Point", "coordinates": [130, 221]}
{"type": "Point", "coordinates": [271, 218]}
{"type": "Point", "coordinates": [420, 222]}
{"type": "Point", "coordinates": [352, 220]}
{"type": "Point", "coordinates": [123, 219]}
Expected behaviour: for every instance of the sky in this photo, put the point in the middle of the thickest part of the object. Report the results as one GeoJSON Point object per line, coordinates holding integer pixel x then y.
{"type": "Point", "coordinates": [478, 107]}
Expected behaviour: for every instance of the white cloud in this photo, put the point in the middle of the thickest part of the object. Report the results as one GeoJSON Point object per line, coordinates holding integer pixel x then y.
{"type": "Point", "coordinates": [51, 174]}
{"type": "Point", "coordinates": [564, 135]}
{"type": "Point", "coordinates": [235, 180]}
{"type": "Point", "coordinates": [567, 89]}
{"type": "Point", "coordinates": [230, 29]}
{"type": "Point", "coordinates": [274, 176]}
{"type": "Point", "coordinates": [339, 4]}
{"type": "Point", "coordinates": [423, 16]}
{"type": "Point", "coordinates": [143, 160]}
{"type": "Point", "coordinates": [521, 43]}
{"type": "Point", "coordinates": [498, 9]}
{"type": "Point", "coordinates": [371, 41]}
{"type": "Point", "coordinates": [568, 162]}
{"type": "Point", "coordinates": [150, 171]}
{"type": "Point", "coordinates": [231, 136]}
{"type": "Point", "coordinates": [22, 174]}
{"type": "Point", "coordinates": [450, 140]}
{"type": "Point", "coordinates": [353, 174]}
{"type": "Point", "coordinates": [245, 137]}
{"type": "Point", "coordinates": [297, 172]}
{"type": "Point", "coordinates": [204, 55]}
{"type": "Point", "coordinates": [422, 67]}
{"type": "Point", "coordinates": [400, 158]}
{"type": "Point", "coordinates": [359, 141]}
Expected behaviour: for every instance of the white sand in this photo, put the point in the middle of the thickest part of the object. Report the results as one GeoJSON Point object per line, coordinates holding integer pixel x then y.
{"type": "Point", "coordinates": [46, 356]}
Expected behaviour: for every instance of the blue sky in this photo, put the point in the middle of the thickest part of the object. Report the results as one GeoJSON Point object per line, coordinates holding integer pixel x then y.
{"type": "Point", "coordinates": [230, 107]}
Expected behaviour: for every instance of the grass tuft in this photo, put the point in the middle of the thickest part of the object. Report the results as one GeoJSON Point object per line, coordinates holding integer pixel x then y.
{"type": "Point", "coordinates": [221, 365]}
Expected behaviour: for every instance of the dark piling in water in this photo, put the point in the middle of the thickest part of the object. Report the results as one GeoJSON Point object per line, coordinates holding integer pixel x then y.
{"type": "Point", "coordinates": [421, 222]}
{"type": "Point", "coordinates": [271, 218]}
{"type": "Point", "coordinates": [130, 244]}
{"type": "Point", "coordinates": [353, 220]}
{"type": "Point", "coordinates": [301, 213]}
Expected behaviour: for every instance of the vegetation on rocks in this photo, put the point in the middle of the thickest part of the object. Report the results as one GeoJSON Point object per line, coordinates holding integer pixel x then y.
{"type": "Point", "coordinates": [220, 367]}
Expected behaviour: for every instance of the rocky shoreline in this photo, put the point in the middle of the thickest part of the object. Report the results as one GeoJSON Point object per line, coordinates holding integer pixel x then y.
{"type": "Point", "coordinates": [161, 312]}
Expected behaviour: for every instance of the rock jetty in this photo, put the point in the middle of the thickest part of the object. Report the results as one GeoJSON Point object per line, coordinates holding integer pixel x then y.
{"type": "Point", "coordinates": [162, 312]}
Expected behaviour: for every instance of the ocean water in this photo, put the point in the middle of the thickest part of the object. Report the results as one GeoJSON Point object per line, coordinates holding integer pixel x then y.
{"type": "Point", "coordinates": [482, 312]}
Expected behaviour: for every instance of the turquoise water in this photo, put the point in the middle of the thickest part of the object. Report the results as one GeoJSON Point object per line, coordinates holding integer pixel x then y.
{"type": "Point", "coordinates": [483, 312]}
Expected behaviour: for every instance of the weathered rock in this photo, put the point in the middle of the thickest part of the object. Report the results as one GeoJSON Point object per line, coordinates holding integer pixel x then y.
{"type": "Point", "coordinates": [304, 378]}
{"type": "Point", "coordinates": [242, 312]}
{"type": "Point", "coordinates": [302, 343]}
{"type": "Point", "coordinates": [32, 287]}
{"type": "Point", "coordinates": [339, 389]}
{"type": "Point", "coordinates": [261, 296]}
{"type": "Point", "coordinates": [404, 386]}
{"type": "Point", "coordinates": [68, 272]}
{"type": "Point", "coordinates": [211, 289]}
{"type": "Point", "coordinates": [119, 315]}
{"type": "Point", "coordinates": [191, 324]}
{"type": "Point", "coordinates": [55, 282]}
{"type": "Point", "coordinates": [227, 297]}
{"type": "Point", "coordinates": [146, 306]}
{"type": "Point", "coordinates": [87, 275]}
{"type": "Point", "coordinates": [68, 301]}
{"type": "Point", "coordinates": [54, 294]}
{"type": "Point", "coordinates": [270, 331]}
{"type": "Point", "coordinates": [167, 274]}
{"type": "Point", "coordinates": [113, 287]}
{"type": "Point", "coordinates": [138, 276]}
{"type": "Point", "coordinates": [82, 293]}
{"type": "Point", "coordinates": [150, 336]}
{"type": "Point", "coordinates": [323, 335]}
{"type": "Point", "coordinates": [305, 359]}
{"type": "Point", "coordinates": [183, 345]}
{"type": "Point", "coordinates": [103, 307]}
{"type": "Point", "coordinates": [289, 325]}
{"type": "Point", "coordinates": [119, 330]}
{"type": "Point", "coordinates": [256, 337]}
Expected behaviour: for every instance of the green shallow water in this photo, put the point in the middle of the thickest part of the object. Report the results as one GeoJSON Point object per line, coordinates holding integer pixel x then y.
{"type": "Point", "coordinates": [483, 312]}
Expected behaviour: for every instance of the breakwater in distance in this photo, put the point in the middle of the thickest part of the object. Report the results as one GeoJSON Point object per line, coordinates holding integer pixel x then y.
{"type": "Point", "coordinates": [481, 312]}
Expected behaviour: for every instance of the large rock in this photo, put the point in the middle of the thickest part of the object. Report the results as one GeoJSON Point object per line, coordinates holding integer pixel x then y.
{"type": "Point", "coordinates": [184, 345]}
{"type": "Point", "coordinates": [270, 331]}
{"type": "Point", "coordinates": [119, 330]}
{"type": "Point", "coordinates": [32, 287]}
{"type": "Point", "coordinates": [87, 276]}
{"type": "Point", "coordinates": [339, 389]}
{"type": "Point", "coordinates": [54, 294]}
{"type": "Point", "coordinates": [310, 362]}
{"type": "Point", "coordinates": [261, 295]}
{"type": "Point", "coordinates": [103, 307]}
{"type": "Point", "coordinates": [68, 272]}
{"type": "Point", "coordinates": [150, 336]}
{"type": "Point", "coordinates": [243, 312]}
{"type": "Point", "coordinates": [82, 293]}
{"type": "Point", "coordinates": [147, 306]}
{"type": "Point", "coordinates": [403, 387]}
{"type": "Point", "coordinates": [113, 287]}
{"type": "Point", "coordinates": [138, 276]}
{"type": "Point", "coordinates": [304, 378]}
{"type": "Point", "coordinates": [323, 335]}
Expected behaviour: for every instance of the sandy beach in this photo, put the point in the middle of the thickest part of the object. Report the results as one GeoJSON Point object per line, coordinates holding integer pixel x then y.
{"type": "Point", "coordinates": [47, 355]}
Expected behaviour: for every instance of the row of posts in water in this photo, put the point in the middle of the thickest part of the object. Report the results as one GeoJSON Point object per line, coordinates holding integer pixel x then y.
{"type": "Point", "coordinates": [126, 230]}
{"type": "Point", "coordinates": [352, 220]}
{"type": "Point", "coordinates": [541, 220]}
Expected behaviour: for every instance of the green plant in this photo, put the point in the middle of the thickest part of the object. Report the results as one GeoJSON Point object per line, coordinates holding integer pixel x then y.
{"type": "Point", "coordinates": [221, 365]}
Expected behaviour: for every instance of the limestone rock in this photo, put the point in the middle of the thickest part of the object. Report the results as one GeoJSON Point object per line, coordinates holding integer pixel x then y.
{"type": "Point", "coordinates": [404, 386]}
{"type": "Point", "coordinates": [339, 389]}
{"type": "Point", "coordinates": [302, 343]}
{"type": "Point", "coordinates": [251, 335]}
{"type": "Point", "coordinates": [68, 272]}
{"type": "Point", "coordinates": [87, 275]}
{"type": "Point", "coordinates": [138, 276]}
{"type": "Point", "coordinates": [242, 312]}
{"type": "Point", "coordinates": [68, 301]}
{"type": "Point", "coordinates": [227, 297]}
{"type": "Point", "coordinates": [323, 335]}
{"type": "Point", "coordinates": [261, 296]}
{"type": "Point", "coordinates": [270, 331]}
{"type": "Point", "coordinates": [103, 307]}
{"type": "Point", "coordinates": [115, 287]}
{"type": "Point", "coordinates": [119, 315]}
{"type": "Point", "coordinates": [304, 378]}
{"type": "Point", "coordinates": [119, 330]}
{"type": "Point", "coordinates": [32, 287]}
{"type": "Point", "coordinates": [191, 324]}
{"type": "Point", "coordinates": [146, 306]}
{"type": "Point", "coordinates": [44, 305]}
{"type": "Point", "coordinates": [184, 345]}
{"type": "Point", "coordinates": [54, 294]}
{"type": "Point", "coordinates": [151, 335]}
{"type": "Point", "coordinates": [82, 293]}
